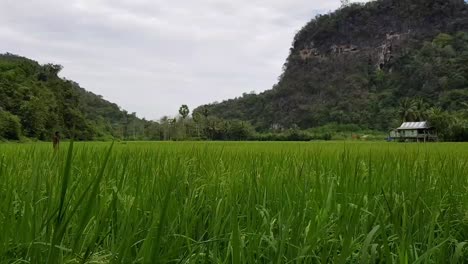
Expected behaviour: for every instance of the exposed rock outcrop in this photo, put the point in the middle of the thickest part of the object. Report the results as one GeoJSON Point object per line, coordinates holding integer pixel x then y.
{"type": "Point", "coordinates": [340, 49]}
{"type": "Point", "coordinates": [308, 52]}
{"type": "Point", "coordinates": [393, 43]}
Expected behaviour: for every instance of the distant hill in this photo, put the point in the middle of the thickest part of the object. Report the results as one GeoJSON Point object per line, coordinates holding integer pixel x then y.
{"type": "Point", "coordinates": [364, 64]}
{"type": "Point", "coordinates": [35, 102]}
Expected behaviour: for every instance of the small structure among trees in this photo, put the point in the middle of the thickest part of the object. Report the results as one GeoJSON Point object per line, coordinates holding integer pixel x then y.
{"type": "Point", "coordinates": [415, 131]}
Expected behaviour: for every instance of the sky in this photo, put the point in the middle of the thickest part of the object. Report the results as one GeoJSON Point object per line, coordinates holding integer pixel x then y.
{"type": "Point", "coordinates": [152, 56]}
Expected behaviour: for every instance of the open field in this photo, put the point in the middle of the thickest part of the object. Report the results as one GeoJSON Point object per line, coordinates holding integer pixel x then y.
{"type": "Point", "coordinates": [206, 202]}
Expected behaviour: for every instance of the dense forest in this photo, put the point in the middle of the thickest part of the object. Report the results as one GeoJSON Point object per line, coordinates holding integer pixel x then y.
{"type": "Point", "coordinates": [370, 65]}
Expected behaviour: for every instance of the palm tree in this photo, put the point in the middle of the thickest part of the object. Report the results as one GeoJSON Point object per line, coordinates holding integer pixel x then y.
{"type": "Point", "coordinates": [420, 109]}
{"type": "Point", "coordinates": [435, 111]}
{"type": "Point", "coordinates": [407, 110]}
{"type": "Point", "coordinates": [439, 120]}
{"type": "Point", "coordinates": [184, 111]}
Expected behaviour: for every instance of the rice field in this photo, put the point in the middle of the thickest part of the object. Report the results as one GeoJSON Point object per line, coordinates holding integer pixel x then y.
{"type": "Point", "coordinates": [207, 202]}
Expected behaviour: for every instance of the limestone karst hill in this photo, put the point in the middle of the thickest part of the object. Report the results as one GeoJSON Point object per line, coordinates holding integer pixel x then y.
{"type": "Point", "coordinates": [358, 64]}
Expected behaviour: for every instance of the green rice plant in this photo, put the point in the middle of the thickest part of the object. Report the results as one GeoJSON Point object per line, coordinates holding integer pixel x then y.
{"type": "Point", "coordinates": [239, 202]}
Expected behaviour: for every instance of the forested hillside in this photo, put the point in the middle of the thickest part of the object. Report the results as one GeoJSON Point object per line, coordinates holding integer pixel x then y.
{"type": "Point", "coordinates": [372, 65]}
{"type": "Point", "coordinates": [35, 102]}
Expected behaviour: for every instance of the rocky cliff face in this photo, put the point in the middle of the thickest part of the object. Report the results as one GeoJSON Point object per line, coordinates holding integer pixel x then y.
{"type": "Point", "coordinates": [380, 55]}
{"type": "Point", "coordinates": [335, 62]}
{"type": "Point", "coordinates": [379, 28]}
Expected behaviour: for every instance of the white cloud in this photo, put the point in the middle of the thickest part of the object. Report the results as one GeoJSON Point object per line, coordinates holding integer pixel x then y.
{"type": "Point", "coordinates": [151, 56]}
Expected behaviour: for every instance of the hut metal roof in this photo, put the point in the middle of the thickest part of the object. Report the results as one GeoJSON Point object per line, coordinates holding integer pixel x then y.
{"type": "Point", "coordinates": [414, 125]}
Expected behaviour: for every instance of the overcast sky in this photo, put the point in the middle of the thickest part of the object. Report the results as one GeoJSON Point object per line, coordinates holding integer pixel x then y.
{"type": "Point", "coordinates": [151, 56]}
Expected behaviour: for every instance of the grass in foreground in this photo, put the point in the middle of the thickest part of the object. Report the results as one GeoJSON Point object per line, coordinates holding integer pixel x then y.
{"type": "Point", "coordinates": [234, 203]}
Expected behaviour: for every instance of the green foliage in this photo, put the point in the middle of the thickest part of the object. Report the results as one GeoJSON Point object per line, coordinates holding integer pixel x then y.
{"type": "Point", "coordinates": [412, 110]}
{"type": "Point", "coordinates": [443, 40]}
{"type": "Point", "coordinates": [184, 111]}
{"type": "Point", "coordinates": [450, 126]}
{"type": "Point", "coordinates": [239, 130]}
{"type": "Point", "coordinates": [10, 126]}
{"type": "Point", "coordinates": [45, 103]}
{"type": "Point", "coordinates": [221, 202]}
{"type": "Point", "coordinates": [34, 114]}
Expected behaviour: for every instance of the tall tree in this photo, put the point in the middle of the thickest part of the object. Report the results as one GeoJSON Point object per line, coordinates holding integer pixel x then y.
{"type": "Point", "coordinates": [406, 110]}
{"type": "Point", "coordinates": [184, 111]}
{"type": "Point", "coordinates": [420, 109]}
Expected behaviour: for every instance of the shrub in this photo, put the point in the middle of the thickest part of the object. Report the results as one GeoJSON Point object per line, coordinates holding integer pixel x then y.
{"type": "Point", "coordinates": [10, 126]}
